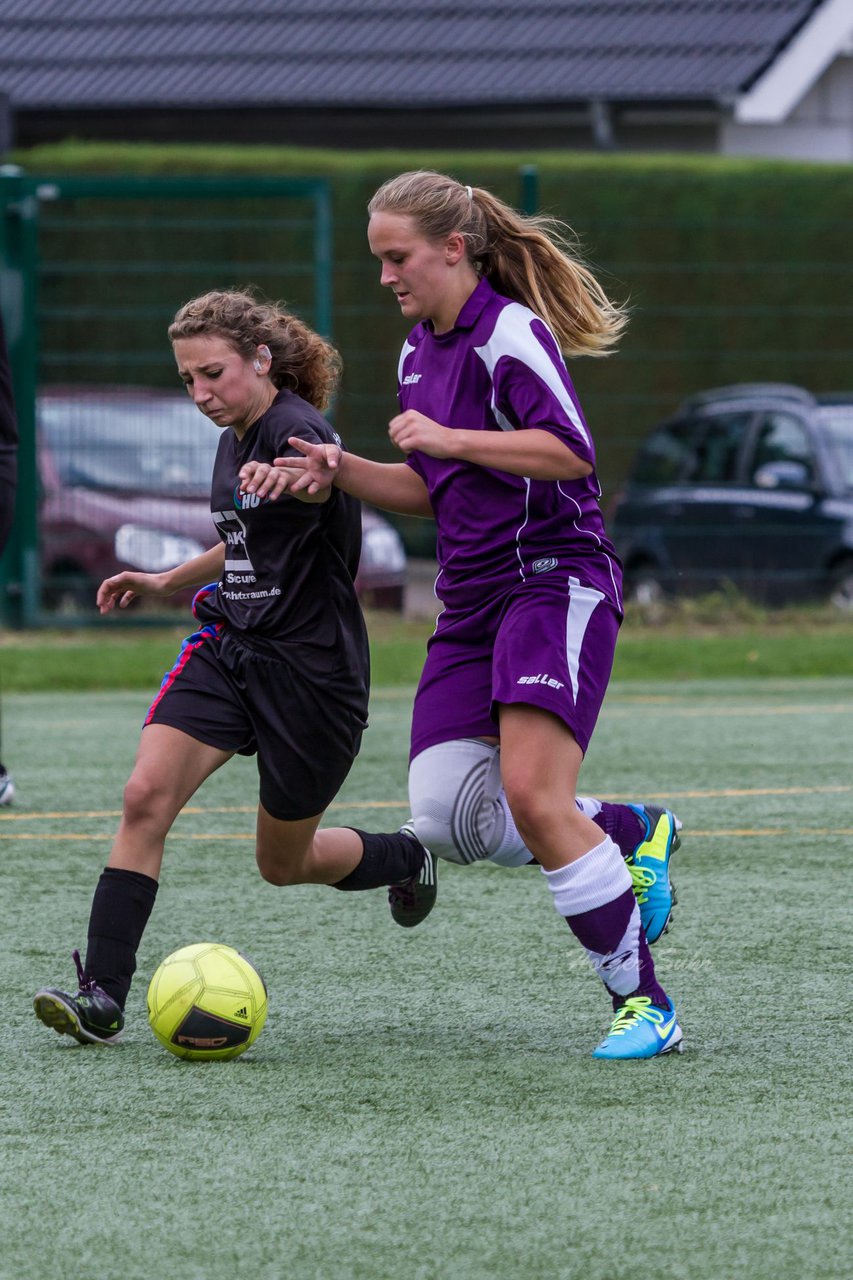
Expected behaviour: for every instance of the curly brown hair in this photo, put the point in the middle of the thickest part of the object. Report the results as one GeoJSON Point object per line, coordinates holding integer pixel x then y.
{"type": "Point", "coordinates": [301, 360]}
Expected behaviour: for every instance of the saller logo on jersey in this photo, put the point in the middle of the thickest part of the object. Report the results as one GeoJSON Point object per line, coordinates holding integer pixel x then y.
{"type": "Point", "coordinates": [410, 378]}
{"type": "Point", "coordinates": [543, 565]}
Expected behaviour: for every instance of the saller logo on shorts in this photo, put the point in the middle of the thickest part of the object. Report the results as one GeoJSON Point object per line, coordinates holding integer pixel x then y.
{"type": "Point", "coordinates": [545, 564]}
{"type": "Point", "coordinates": [541, 679]}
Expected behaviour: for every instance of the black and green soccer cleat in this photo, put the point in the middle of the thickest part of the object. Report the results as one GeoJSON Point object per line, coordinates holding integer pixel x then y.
{"type": "Point", "coordinates": [413, 900]}
{"type": "Point", "coordinates": [90, 1016]}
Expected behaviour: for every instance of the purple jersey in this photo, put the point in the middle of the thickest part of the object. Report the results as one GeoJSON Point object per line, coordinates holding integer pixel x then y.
{"type": "Point", "coordinates": [500, 369]}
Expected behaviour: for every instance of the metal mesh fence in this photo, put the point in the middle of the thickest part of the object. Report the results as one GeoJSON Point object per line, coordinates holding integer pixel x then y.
{"type": "Point", "coordinates": [732, 274]}
{"type": "Point", "coordinates": [116, 460]}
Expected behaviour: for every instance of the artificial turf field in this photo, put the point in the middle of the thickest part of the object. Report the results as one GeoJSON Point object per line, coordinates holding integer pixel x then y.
{"type": "Point", "coordinates": [422, 1105]}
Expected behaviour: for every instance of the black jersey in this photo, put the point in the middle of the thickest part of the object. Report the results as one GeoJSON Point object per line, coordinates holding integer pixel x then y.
{"type": "Point", "coordinates": [290, 566]}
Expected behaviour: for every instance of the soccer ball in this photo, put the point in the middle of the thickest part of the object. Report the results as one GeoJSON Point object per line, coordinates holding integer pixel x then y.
{"type": "Point", "coordinates": [207, 1002]}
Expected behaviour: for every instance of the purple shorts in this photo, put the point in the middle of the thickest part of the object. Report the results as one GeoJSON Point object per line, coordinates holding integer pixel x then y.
{"type": "Point", "coordinates": [549, 643]}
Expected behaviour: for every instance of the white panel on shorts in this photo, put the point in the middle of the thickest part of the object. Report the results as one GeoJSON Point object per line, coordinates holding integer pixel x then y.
{"type": "Point", "coordinates": [582, 604]}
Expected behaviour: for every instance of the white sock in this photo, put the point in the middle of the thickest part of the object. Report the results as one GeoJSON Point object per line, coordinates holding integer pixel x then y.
{"type": "Point", "coordinates": [590, 881]}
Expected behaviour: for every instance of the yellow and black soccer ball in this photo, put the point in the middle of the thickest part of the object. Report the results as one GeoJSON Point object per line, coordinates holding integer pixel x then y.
{"type": "Point", "coordinates": [207, 1002]}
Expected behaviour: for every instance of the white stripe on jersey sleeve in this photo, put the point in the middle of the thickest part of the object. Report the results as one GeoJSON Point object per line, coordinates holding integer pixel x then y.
{"type": "Point", "coordinates": [404, 355]}
{"type": "Point", "coordinates": [513, 337]}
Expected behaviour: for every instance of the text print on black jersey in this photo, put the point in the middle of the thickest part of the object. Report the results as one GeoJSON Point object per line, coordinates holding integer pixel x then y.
{"type": "Point", "coordinates": [233, 533]}
{"type": "Point", "coordinates": [246, 501]}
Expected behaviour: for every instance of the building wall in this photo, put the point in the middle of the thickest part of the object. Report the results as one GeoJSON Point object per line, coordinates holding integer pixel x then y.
{"type": "Point", "coordinates": [499, 129]}
{"type": "Point", "coordinates": [819, 128]}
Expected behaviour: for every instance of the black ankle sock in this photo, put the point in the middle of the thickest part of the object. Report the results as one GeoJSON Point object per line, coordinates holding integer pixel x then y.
{"type": "Point", "coordinates": [120, 909]}
{"type": "Point", "coordinates": [387, 859]}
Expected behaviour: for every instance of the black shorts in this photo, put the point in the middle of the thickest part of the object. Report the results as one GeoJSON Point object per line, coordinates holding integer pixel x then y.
{"type": "Point", "coordinates": [295, 708]}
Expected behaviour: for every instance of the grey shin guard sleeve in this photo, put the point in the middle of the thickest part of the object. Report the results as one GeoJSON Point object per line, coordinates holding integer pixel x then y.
{"type": "Point", "coordinates": [458, 804]}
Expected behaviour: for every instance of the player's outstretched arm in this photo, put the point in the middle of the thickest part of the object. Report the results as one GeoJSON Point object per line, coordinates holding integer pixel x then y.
{"type": "Point", "coordinates": [122, 588]}
{"type": "Point", "coordinates": [390, 485]}
{"type": "Point", "coordinates": [271, 481]}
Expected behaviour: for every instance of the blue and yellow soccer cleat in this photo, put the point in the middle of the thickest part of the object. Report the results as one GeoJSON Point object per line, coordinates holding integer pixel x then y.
{"type": "Point", "coordinates": [641, 1030]}
{"type": "Point", "coordinates": [649, 868]}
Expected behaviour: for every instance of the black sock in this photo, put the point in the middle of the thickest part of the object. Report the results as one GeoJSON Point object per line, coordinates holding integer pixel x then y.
{"type": "Point", "coordinates": [387, 859]}
{"type": "Point", "coordinates": [120, 909]}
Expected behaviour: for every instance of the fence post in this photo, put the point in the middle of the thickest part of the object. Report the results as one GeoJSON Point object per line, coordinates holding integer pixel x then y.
{"type": "Point", "coordinates": [529, 175]}
{"type": "Point", "coordinates": [323, 259]}
{"type": "Point", "coordinates": [19, 573]}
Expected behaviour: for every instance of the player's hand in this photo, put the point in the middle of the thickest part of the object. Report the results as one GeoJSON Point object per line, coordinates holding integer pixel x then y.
{"type": "Point", "coordinates": [318, 466]}
{"type": "Point", "coordinates": [413, 430]}
{"type": "Point", "coordinates": [124, 587]}
{"type": "Point", "coordinates": [265, 479]}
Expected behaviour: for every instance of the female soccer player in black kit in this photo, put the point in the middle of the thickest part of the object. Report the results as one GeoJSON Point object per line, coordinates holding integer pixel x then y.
{"type": "Point", "coordinates": [278, 668]}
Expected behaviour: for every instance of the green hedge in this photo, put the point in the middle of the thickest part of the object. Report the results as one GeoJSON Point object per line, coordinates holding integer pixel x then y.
{"type": "Point", "coordinates": [735, 269]}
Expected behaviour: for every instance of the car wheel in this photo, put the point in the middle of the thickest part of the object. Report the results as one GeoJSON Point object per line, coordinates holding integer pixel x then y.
{"type": "Point", "coordinates": [644, 587]}
{"type": "Point", "coordinates": [645, 594]}
{"type": "Point", "coordinates": [841, 587]}
{"type": "Point", "coordinates": [647, 590]}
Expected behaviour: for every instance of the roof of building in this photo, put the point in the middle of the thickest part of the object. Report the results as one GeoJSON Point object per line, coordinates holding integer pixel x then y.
{"type": "Point", "coordinates": [372, 53]}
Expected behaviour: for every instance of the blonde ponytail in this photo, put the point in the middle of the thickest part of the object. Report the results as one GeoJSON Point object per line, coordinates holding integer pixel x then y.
{"type": "Point", "coordinates": [533, 260]}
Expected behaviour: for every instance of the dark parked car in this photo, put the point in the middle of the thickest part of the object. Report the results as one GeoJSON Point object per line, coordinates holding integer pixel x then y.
{"type": "Point", "coordinates": [749, 484]}
{"type": "Point", "coordinates": [125, 480]}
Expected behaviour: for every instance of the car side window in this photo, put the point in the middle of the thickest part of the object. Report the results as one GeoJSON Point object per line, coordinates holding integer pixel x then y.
{"type": "Point", "coordinates": [665, 456]}
{"type": "Point", "coordinates": [782, 438]}
{"type": "Point", "coordinates": [718, 448]}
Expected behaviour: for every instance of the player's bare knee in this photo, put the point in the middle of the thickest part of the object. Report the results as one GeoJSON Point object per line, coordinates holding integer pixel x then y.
{"type": "Point", "coordinates": [278, 867]}
{"type": "Point", "coordinates": [530, 809]}
{"type": "Point", "coordinates": [276, 872]}
{"type": "Point", "coordinates": [146, 804]}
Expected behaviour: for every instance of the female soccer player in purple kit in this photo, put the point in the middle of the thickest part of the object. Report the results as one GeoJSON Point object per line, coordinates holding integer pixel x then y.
{"type": "Point", "coordinates": [497, 449]}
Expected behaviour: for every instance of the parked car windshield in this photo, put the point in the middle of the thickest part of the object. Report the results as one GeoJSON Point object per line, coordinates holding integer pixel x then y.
{"type": "Point", "coordinates": [837, 422]}
{"type": "Point", "coordinates": [665, 455]}
{"type": "Point", "coordinates": [154, 446]}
